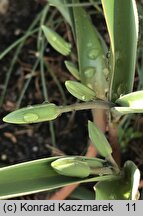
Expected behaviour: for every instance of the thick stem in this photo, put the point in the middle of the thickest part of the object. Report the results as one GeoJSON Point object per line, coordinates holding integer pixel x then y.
{"type": "Point", "coordinates": [98, 104]}
{"type": "Point", "coordinates": [101, 171]}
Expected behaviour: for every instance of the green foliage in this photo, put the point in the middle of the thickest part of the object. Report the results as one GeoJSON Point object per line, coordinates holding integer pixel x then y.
{"type": "Point", "coordinates": [76, 166]}
{"type": "Point", "coordinates": [72, 69]}
{"type": "Point", "coordinates": [56, 41]}
{"type": "Point", "coordinates": [80, 91]}
{"type": "Point", "coordinates": [130, 103]}
{"type": "Point", "coordinates": [122, 24]}
{"type": "Point", "coordinates": [90, 53]}
{"type": "Point", "coordinates": [99, 140]}
{"type": "Point", "coordinates": [101, 86]}
{"type": "Point", "coordinates": [126, 135]}
{"type": "Point", "coordinates": [35, 176]}
{"type": "Point", "coordinates": [33, 114]}
{"type": "Point", "coordinates": [125, 188]}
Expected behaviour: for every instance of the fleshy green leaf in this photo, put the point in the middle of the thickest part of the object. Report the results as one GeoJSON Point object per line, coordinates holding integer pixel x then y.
{"type": "Point", "coordinates": [130, 103]}
{"type": "Point", "coordinates": [99, 140]}
{"type": "Point", "coordinates": [132, 100]}
{"type": "Point", "coordinates": [72, 69]}
{"type": "Point", "coordinates": [56, 41]}
{"type": "Point", "coordinates": [80, 91]}
{"type": "Point", "coordinates": [71, 167]}
{"type": "Point", "coordinates": [92, 67]}
{"type": "Point", "coordinates": [125, 188]}
{"type": "Point", "coordinates": [35, 176]}
{"type": "Point", "coordinates": [122, 23]}
{"type": "Point", "coordinates": [76, 166]}
{"type": "Point", "coordinates": [33, 114]}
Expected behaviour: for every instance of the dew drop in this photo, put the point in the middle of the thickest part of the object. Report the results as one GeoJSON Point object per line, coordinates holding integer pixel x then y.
{"type": "Point", "coordinates": [54, 38]}
{"type": "Point", "coordinates": [83, 97]}
{"type": "Point", "coordinates": [30, 117]}
{"type": "Point", "coordinates": [105, 72]}
{"type": "Point", "coordinates": [89, 72]}
{"type": "Point", "coordinates": [93, 53]}
{"type": "Point", "coordinates": [89, 44]}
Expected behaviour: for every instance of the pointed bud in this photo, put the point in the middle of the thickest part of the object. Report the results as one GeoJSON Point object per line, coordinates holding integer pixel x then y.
{"type": "Point", "coordinates": [33, 114]}
{"type": "Point", "coordinates": [71, 167]}
{"type": "Point", "coordinates": [99, 141]}
{"type": "Point", "coordinates": [72, 69]}
{"type": "Point", "coordinates": [56, 41]}
{"type": "Point", "coordinates": [80, 91]}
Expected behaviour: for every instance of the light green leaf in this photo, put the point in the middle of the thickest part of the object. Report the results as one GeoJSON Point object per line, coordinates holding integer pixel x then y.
{"type": "Point", "coordinates": [125, 188]}
{"type": "Point", "coordinates": [33, 114]}
{"type": "Point", "coordinates": [99, 141]}
{"type": "Point", "coordinates": [56, 41]}
{"type": "Point", "coordinates": [130, 103]}
{"type": "Point", "coordinates": [76, 166]}
{"type": "Point", "coordinates": [93, 70]}
{"type": "Point", "coordinates": [71, 167]}
{"type": "Point", "coordinates": [80, 91]}
{"type": "Point", "coordinates": [132, 100]}
{"type": "Point", "coordinates": [122, 23]}
{"type": "Point", "coordinates": [35, 176]}
{"type": "Point", "coordinates": [72, 69]}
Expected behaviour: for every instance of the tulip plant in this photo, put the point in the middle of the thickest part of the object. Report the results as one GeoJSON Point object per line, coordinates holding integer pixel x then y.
{"type": "Point", "coordinates": [100, 83]}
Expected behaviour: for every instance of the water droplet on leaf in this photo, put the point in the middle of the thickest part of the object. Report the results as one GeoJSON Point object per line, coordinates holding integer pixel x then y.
{"type": "Point", "coordinates": [89, 44]}
{"type": "Point", "coordinates": [30, 117]}
{"type": "Point", "coordinates": [83, 97]}
{"type": "Point", "coordinates": [89, 72]}
{"type": "Point", "coordinates": [54, 38]}
{"type": "Point", "coordinates": [93, 53]}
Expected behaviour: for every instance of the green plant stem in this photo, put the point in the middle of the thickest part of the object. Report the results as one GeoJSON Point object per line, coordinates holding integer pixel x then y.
{"type": "Point", "coordinates": [97, 104]}
{"type": "Point", "coordinates": [101, 171]}
{"type": "Point", "coordinates": [113, 162]}
{"type": "Point", "coordinates": [85, 4]}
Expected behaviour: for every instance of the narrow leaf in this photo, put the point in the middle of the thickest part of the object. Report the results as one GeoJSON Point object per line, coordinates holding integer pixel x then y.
{"type": "Point", "coordinates": [132, 100]}
{"type": "Point", "coordinates": [93, 70]}
{"type": "Point", "coordinates": [35, 176]}
{"type": "Point", "coordinates": [122, 23]}
{"type": "Point", "coordinates": [125, 188]}
{"type": "Point", "coordinates": [99, 140]}
{"type": "Point", "coordinates": [130, 103]}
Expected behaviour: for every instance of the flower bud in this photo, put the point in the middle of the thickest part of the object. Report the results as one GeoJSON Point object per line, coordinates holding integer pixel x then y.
{"type": "Point", "coordinates": [33, 114]}
{"type": "Point", "coordinates": [71, 167]}
{"type": "Point", "coordinates": [80, 91]}
{"type": "Point", "coordinates": [56, 41]}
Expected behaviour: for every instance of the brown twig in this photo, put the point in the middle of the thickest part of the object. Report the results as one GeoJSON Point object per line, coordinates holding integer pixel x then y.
{"type": "Point", "coordinates": [141, 184]}
{"type": "Point", "coordinates": [113, 139]}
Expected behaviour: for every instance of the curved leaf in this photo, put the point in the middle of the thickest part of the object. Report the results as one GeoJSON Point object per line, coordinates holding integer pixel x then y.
{"type": "Point", "coordinates": [72, 69]}
{"type": "Point", "coordinates": [122, 23]}
{"type": "Point", "coordinates": [93, 71]}
{"type": "Point", "coordinates": [35, 176]}
{"type": "Point", "coordinates": [99, 140]}
{"type": "Point", "coordinates": [125, 188]}
{"type": "Point", "coordinates": [130, 103]}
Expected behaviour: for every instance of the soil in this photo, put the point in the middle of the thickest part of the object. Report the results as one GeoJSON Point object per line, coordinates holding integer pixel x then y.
{"type": "Point", "coordinates": [25, 143]}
